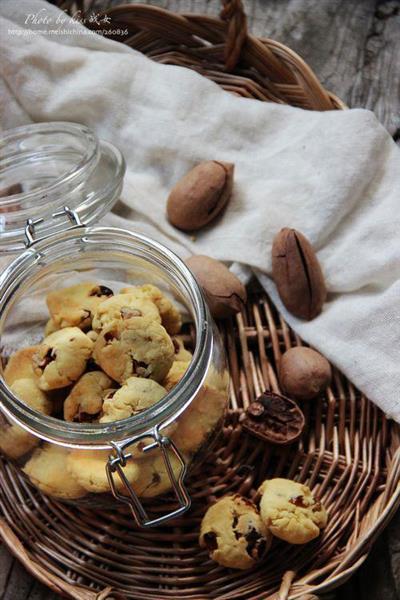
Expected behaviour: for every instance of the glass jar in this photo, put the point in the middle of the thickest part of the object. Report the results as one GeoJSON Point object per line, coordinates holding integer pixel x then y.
{"type": "Point", "coordinates": [131, 459]}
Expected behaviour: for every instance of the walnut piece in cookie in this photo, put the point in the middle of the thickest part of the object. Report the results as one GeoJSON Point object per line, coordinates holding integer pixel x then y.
{"type": "Point", "coordinates": [47, 470]}
{"type": "Point", "coordinates": [290, 511]}
{"type": "Point", "coordinates": [74, 306]}
{"type": "Point", "coordinates": [135, 395]}
{"type": "Point", "coordinates": [233, 533]}
{"type": "Point", "coordinates": [20, 365]}
{"type": "Point", "coordinates": [135, 346]}
{"type": "Point", "coordinates": [124, 306]}
{"type": "Point", "coordinates": [61, 358]}
{"type": "Point", "coordinates": [14, 440]}
{"type": "Point", "coordinates": [88, 469]}
{"type": "Point", "coordinates": [170, 316]}
{"type": "Point", "coordinates": [85, 401]}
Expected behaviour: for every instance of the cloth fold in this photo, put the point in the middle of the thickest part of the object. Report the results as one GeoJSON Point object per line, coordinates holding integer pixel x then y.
{"type": "Point", "coordinates": [333, 175]}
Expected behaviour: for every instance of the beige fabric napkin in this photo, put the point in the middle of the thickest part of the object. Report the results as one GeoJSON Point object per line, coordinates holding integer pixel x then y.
{"type": "Point", "coordinates": [334, 175]}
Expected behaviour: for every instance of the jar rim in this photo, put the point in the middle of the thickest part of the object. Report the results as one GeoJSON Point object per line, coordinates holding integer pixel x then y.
{"type": "Point", "coordinates": [30, 148]}
{"type": "Point", "coordinates": [93, 435]}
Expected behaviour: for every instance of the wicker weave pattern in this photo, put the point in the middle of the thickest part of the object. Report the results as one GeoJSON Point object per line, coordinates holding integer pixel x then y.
{"type": "Point", "coordinates": [349, 454]}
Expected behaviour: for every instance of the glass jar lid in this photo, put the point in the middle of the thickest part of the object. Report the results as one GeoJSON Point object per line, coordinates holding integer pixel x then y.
{"type": "Point", "coordinates": [47, 166]}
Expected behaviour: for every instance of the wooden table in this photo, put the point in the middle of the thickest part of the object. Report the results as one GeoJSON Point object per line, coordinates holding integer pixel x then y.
{"type": "Point", "coordinates": [354, 48]}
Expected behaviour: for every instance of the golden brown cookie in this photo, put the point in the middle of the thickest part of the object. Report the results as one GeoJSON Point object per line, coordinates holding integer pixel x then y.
{"type": "Point", "coordinates": [135, 395]}
{"type": "Point", "coordinates": [122, 307]}
{"type": "Point", "coordinates": [50, 328]}
{"type": "Point", "coordinates": [170, 316]}
{"type": "Point", "coordinates": [153, 478]}
{"type": "Point", "coordinates": [47, 470]}
{"type": "Point", "coordinates": [175, 374]}
{"type": "Point", "coordinates": [74, 306]}
{"type": "Point", "coordinates": [290, 511]}
{"type": "Point", "coordinates": [88, 469]}
{"type": "Point", "coordinates": [14, 440]}
{"type": "Point", "coordinates": [20, 365]}
{"type": "Point", "coordinates": [233, 533]}
{"type": "Point", "coordinates": [85, 401]}
{"type": "Point", "coordinates": [181, 354]}
{"type": "Point", "coordinates": [136, 346]}
{"type": "Point", "coordinates": [61, 358]}
{"type": "Point", "coordinates": [199, 420]}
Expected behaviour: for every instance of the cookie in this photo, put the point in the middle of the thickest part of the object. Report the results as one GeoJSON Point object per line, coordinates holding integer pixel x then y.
{"type": "Point", "coordinates": [134, 347]}
{"type": "Point", "coordinates": [290, 511]}
{"type": "Point", "coordinates": [135, 395]}
{"type": "Point", "coordinates": [181, 354]}
{"type": "Point", "coordinates": [170, 316]}
{"type": "Point", "coordinates": [199, 420]}
{"type": "Point", "coordinates": [61, 358]}
{"type": "Point", "coordinates": [85, 401]}
{"type": "Point", "coordinates": [20, 365]}
{"type": "Point", "coordinates": [50, 327]}
{"type": "Point", "coordinates": [175, 374]}
{"type": "Point", "coordinates": [88, 469]}
{"type": "Point", "coordinates": [124, 306]}
{"type": "Point", "coordinates": [233, 533]}
{"type": "Point", "coordinates": [74, 306]}
{"type": "Point", "coordinates": [47, 470]}
{"type": "Point", "coordinates": [14, 440]}
{"type": "Point", "coordinates": [153, 478]}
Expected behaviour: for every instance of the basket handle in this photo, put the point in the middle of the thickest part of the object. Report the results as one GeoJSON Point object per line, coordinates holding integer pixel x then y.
{"type": "Point", "coordinates": [233, 13]}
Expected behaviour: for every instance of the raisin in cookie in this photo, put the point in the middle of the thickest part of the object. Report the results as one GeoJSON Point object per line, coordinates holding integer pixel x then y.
{"type": "Point", "coordinates": [153, 478]}
{"type": "Point", "coordinates": [88, 469]}
{"type": "Point", "coordinates": [181, 354]}
{"type": "Point", "coordinates": [20, 365]}
{"type": "Point", "coordinates": [124, 306]}
{"type": "Point", "coordinates": [75, 305]}
{"type": "Point", "coordinates": [135, 395]}
{"type": "Point", "coordinates": [61, 358]}
{"type": "Point", "coordinates": [134, 347]}
{"type": "Point", "coordinates": [170, 316]}
{"type": "Point", "coordinates": [85, 401]}
{"type": "Point", "coordinates": [47, 470]}
{"type": "Point", "coordinates": [233, 533]}
{"type": "Point", "coordinates": [14, 440]}
{"type": "Point", "coordinates": [290, 511]}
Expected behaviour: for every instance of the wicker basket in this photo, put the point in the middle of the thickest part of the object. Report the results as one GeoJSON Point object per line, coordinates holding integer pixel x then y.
{"type": "Point", "coordinates": [349, 454]}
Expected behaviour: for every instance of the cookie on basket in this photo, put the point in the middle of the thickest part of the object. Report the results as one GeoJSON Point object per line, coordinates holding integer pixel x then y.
{"type": "Point", "coordinates": [290, 511]}
{"type": "Point", "coordinates": [233, 533]}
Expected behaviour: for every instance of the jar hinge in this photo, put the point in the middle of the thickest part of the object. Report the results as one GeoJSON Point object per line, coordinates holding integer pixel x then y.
{"type": "Point", "coordinates": [117, 463]}
{"type": "Point", "coordinates": [72, 216]}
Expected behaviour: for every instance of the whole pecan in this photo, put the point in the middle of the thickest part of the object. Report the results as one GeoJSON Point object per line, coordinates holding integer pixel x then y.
{"type": "Point", "coordinates": [297, 274]}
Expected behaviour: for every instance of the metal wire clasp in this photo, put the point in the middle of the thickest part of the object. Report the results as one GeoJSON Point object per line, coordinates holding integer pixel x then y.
{"type": "Point", "coordinates": [117, 462]}
{"type": "Point", "coordinates": [30, 237]}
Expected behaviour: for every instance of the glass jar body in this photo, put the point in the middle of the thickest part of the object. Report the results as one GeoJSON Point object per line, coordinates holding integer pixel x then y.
{"type": "Point", "coordinates": [68, 459]}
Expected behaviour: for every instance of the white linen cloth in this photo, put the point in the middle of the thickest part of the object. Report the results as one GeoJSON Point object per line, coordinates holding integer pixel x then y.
{"type": "Point", "coordinates": [334, 175]}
